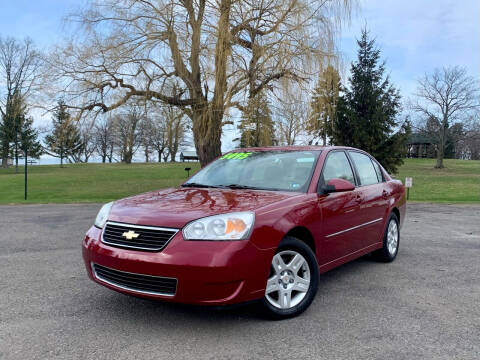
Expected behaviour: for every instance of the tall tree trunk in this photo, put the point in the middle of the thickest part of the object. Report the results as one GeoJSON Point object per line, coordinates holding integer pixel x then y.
{"type": "Point", "coordinates": [207, 118]}
{"type": "Point", "coordinates": [441, 150]}
{"type": "Point", "coordinates": [207, 131]}
{"type": "Point", "coordinates": [440, 155]}
{"type": "Point", "coordinates": [16, 156]}
{"type": "Point", "coordinates": [146, 154]}
{"type": "Point", "coordinates": [127, 157]}
{"type": "Point", "coordinates": [5, 149]}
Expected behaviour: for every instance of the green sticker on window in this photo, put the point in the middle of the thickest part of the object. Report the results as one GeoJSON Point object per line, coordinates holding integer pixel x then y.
{"type": "Point", "coordinates": [236, 156]}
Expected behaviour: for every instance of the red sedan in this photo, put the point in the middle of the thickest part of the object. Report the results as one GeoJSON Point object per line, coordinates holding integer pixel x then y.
{"type": "Point", "coordinates": [255, 224]}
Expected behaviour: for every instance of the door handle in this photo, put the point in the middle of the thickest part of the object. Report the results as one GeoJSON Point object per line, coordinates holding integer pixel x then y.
{"type": "Point", "coordinates": [385, 194]}
{"type": "Point", "coordinates": [358, 198]}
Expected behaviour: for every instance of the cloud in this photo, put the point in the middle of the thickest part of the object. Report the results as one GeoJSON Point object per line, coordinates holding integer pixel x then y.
{"type": "Point", "coordinates": [417, 36]}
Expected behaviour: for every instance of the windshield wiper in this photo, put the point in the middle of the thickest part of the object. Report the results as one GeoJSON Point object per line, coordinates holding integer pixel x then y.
{"type": "Point", "coordinates": [238, 186]}
{"type": "Point", "coordinates": [192, 184]}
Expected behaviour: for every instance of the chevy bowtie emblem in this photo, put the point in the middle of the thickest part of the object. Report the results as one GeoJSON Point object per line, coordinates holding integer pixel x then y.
{"type": "Point", "coordinates": [130, 235]}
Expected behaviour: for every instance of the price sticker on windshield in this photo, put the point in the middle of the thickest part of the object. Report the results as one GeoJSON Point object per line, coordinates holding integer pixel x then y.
{"type": "Point", "coordinates": [408, 182]}
{"type": "Point", "coordinates": [236, 156]}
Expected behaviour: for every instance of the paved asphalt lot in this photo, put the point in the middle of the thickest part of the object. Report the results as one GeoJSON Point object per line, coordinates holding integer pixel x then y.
{"type": "Point", "coordinates": [425, 305]}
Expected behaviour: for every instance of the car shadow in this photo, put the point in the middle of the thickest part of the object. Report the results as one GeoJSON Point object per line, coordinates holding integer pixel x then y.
{"type": "Point", "coordinates": [139, 309]}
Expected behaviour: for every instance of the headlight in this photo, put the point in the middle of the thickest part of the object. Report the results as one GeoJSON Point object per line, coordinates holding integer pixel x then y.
{"type": "Point", "coordinates": [232, 226]}
{"type": "Point", "coordinates": [103, 215]}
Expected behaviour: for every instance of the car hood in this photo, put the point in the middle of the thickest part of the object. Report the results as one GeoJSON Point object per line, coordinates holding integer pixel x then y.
{"type": "Point", "coordinates": [176, 207]}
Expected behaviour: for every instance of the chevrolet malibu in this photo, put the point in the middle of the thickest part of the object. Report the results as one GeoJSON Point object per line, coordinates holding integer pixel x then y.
{"type": "Point", "coordinates": [255, 224]}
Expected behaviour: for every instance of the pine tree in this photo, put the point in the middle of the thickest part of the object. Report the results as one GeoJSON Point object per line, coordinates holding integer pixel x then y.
{"type": "Point", "coordinates": [65, 140]}
{"type": "Point", "coordinates": [17, 130]}
{"type": "Point", "coordinates": [256, 125]}
{"type": "Point", "coordinates": [28, 139]}
{"type": "Point", "coordinates": [366, 112]}
{"type": "Point", "coordinates": [324, 104]}
{"type": "Point", "coordinates": [8, 128]}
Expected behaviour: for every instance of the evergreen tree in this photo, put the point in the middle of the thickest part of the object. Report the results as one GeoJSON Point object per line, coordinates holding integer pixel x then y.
{"type": "Point", "coordinates": [28, 139]}
{"type": "Point", "coordinates": [17, 130]}
{"type": "Point", "coordinates": [65, 141]}
{"type": "Point", "coordinates": [8, 128]}
{"type": "Point", "coordinates": [366, 112]}
{"type": "Point", "coordinates": [324, 104]}
{"type": "Point", "coordinates": [256, 125]}
{"type": "Point", "coordinates": [17, 110]}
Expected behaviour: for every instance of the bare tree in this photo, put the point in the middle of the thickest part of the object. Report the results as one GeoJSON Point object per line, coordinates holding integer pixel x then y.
{"type": "Point", "coordinates": [163, 131]}
{"type": "Point", "coordinates": [175, 126]}
{"type": "Point", "coordinates": [203, 57]}
{"type": "Point", "coordinates": [446, 97]}
{"type": "Point", "coordinates": [127, 128]}
{"type": "Point", "coordinates": [147, 134]}
{"type": "Point", "coordinates": [19, 66]}
{"type": "Point", "coordinates": [469, 145]}
{"type": "Point", "coordinates": [105, 138]}
{"type": "Point", "coordinates": [89, 143]}
{"type": "Point", "coordinates": [159, 136]}
{"type": "Point", "coordinates": [291, 113]}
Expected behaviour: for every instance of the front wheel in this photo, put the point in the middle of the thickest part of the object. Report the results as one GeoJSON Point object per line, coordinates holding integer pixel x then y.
{"type": "Point", "coordinates": [293, 280]}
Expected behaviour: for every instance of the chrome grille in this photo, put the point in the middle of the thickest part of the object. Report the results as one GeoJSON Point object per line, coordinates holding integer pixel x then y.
{"type": "Point", "coordinates": [140, 283]}
{"type": "Point", "coordinates": [147, 238]}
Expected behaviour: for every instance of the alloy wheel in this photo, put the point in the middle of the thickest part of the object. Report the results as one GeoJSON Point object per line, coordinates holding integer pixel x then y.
{"type": "Point", "coordinates": [289, 280]}
{"type": "Point", "coordinates": [392, 237]}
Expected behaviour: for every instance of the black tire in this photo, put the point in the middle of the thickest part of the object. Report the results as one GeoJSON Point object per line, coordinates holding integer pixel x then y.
{"type": "Point", "coordinates": [384, 254]}
{"type": "Point", "coordinates": [293, 244]}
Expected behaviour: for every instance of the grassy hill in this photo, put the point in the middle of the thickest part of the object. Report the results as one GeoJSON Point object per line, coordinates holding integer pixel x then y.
{"type": "Point", "coordinates": [458, 182]}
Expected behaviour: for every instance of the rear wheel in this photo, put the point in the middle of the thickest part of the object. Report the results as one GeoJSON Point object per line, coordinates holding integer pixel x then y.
{"type": "Point", "coordinates": [293, 280]}
{"type": "Point", "coordinates": [391, 241]}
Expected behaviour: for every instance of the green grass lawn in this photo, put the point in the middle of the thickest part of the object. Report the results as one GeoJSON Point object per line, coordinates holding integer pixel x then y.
{"type": "Point", "coordinates": [76, 183]}
{"type": "Point", "coordinates": [458, 182]}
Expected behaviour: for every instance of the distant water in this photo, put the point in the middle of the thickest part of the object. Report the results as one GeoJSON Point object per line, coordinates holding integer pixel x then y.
{"type": "Point", "coordinates": [50, 160]}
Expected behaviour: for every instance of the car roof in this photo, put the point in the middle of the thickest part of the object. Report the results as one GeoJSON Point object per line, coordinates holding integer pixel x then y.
{"type": "Point", "coordinates": [293, 148]}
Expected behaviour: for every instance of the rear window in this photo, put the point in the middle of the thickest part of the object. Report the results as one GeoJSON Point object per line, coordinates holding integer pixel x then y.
{"type": "Point", "coordinates": [378, 171]}
{"type": "Point", "coordinates": [366, 172]}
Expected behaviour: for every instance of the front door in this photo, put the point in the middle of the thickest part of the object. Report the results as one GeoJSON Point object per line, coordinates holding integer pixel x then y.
{"type": "Point", "coordinates": [339, 211]}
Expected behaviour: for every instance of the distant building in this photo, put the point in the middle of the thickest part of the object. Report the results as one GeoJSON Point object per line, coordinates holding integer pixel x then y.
{"type": "Point", "coordinates": [188, 156]}
{"type": "Point", "coordinates": [420, 146]}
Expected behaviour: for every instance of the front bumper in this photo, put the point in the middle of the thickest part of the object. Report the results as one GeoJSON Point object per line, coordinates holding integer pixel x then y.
{"type": "Point", "coordinates": [208, 272]}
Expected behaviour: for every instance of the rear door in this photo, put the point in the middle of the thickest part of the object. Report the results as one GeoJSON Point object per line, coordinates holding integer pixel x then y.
{"type": "Point", "coordinates": [374, 206]}
{"type": "Point", "coordinates": [339, 211]}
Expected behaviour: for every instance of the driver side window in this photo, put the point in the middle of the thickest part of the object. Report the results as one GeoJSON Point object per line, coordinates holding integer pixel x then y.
{"type": "Point", "coordinates": [337, 166]}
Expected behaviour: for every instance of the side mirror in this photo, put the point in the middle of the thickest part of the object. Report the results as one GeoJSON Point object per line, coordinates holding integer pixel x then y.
{"type": "Point", "coordinates": [338, 185]}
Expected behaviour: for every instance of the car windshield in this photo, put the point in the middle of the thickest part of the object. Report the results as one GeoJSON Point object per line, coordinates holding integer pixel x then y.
{"type": "Point", "coordinates": [262, 170]}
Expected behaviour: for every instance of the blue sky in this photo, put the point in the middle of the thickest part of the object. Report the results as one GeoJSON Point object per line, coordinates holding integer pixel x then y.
{"type": "Point", "coordinates": [414, 36]}
{"type": "Point", "coordinates": [417, 36]}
